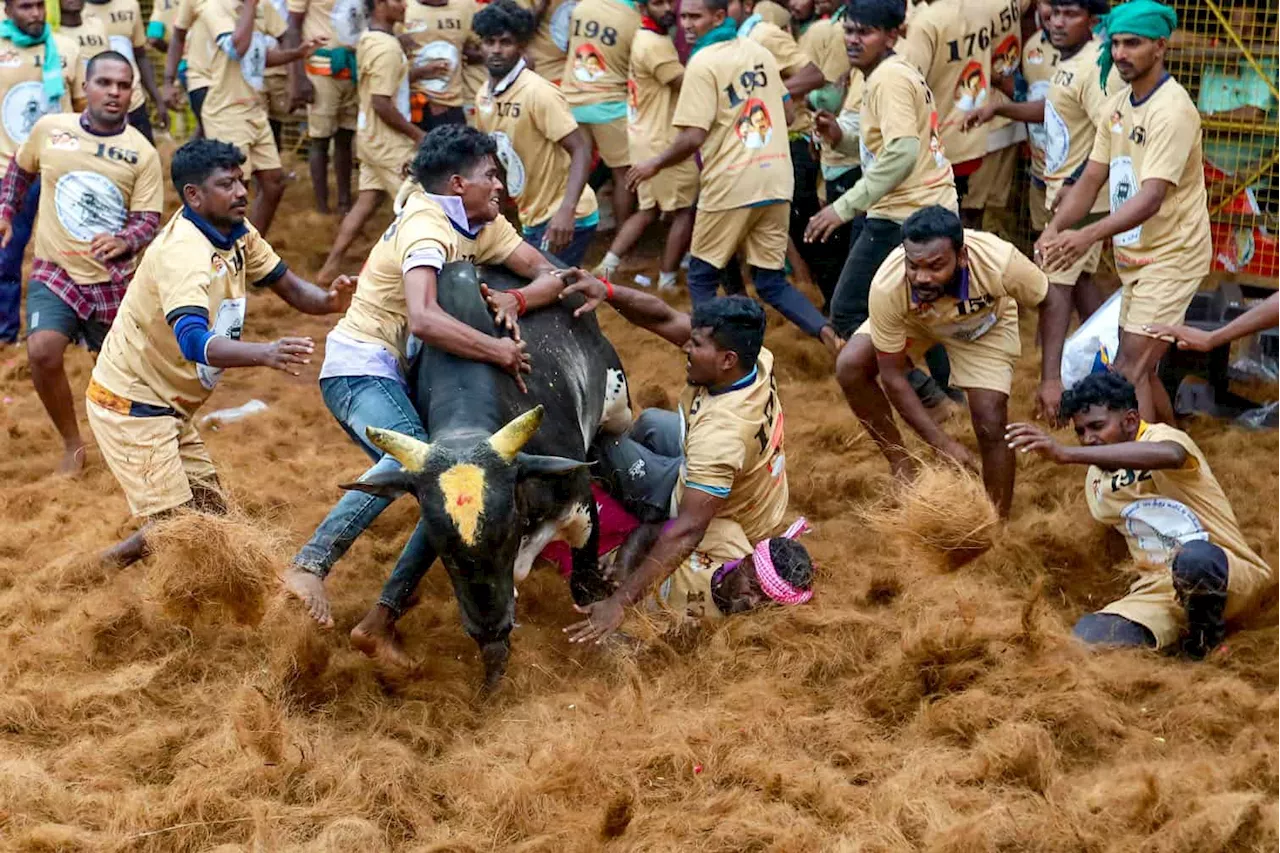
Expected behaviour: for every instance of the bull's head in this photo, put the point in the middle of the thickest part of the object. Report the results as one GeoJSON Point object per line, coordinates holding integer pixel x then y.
{"type": "Point", "coordinates": [472, 515]}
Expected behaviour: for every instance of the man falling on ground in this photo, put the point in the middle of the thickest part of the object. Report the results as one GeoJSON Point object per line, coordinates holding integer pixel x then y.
{"type": "Point", "coordinates": [387, 137]}
{"type": "Point", "coordinates": [1153, 484]}
{"type": "Point", "coordinates": [41, 75]}
{"type": "Point", "coordinates": [233, 110]}
{"type": "Point", "coordinates": [731, 109]}
{"type": "Point", "coordinates": [959, 288]}
{"type": "Point", "coordinates": [449, 212]}
{"type": "Point", "coordinates": [652, 88]}
{"type": "Point", "coordinates": [547, 157]}
{"type": "Point", "coordinates": [178, 329]}
{"type": "Point", "coordinates": [1147, 147]}
{"type": "Point", "coordinates": [101, 206]}
{"type": "Point", "coordinates": [326, 83]}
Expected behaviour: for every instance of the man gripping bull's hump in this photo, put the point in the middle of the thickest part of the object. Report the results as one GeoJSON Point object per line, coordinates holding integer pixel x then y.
{"type": "Point", "coordinates": [715, 468]}
{"type": "Point", "coordinates": [447, 211]}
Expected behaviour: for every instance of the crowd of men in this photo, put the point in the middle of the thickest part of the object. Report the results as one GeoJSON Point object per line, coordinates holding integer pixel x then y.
{"type": "Point", "coordinates": [857, 147]}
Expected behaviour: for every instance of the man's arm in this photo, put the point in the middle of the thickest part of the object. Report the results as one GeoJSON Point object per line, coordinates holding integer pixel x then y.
{"type": "Point", "coordinates": [1031, 112]}
{"type": "Point", "coordinates": [891, 168]}
{"type": "Point", "coordinates": [148, 75]}
{"type": "Point", "coordinates": [678, 540]}
{"type": "Point", "coordinates": [1055, 316]}
{"type": "Point", "coordinates": [1059, 249]}
{"type": "Point", "coordinates": [893, 376]}
{"type": "Point", "coordinates": [173, 56]}
{"type": "Point", "coordinates": [687, 141]}
{"type": "Point", "coordinates": [1137, 455]}
{"type": "Point", "coordinates": [300, 89]}
{"type": "Point", "coordinates": [13, 192]}
{"type": "Point", "coordinates": [1264, 315]}
{"type": "Point", "coordinates": [637, 307]}
{"type": "Point", "coordinates": [804, 81]}
{"type": "Point", "coordinates": [394, 119]}
{"type": "Point", "coordinates": [310, 299]}
{"type": "Point", "coordinates": [284, 56]}
{"type": "Point", "coordinates": [560, 229]}
{"type": "Point", "coordinates": [242, 35]}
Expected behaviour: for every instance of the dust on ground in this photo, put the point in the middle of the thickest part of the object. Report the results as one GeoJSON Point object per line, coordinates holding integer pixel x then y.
{"type": "Point", "coordinates": [909, 707]}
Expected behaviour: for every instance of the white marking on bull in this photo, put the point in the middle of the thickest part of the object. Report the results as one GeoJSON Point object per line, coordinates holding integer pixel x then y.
{"type": "Point", "coordinates": [616, 417]}
{"type": "Point", "coordinates": [574, 527]}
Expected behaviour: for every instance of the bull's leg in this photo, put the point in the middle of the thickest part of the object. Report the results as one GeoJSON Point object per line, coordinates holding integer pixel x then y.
{"type": "Point", "coordinates": [588, 583]}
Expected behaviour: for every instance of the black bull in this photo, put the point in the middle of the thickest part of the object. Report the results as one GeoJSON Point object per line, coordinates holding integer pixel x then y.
{"type": "Point", "coordinates": [501, 465]}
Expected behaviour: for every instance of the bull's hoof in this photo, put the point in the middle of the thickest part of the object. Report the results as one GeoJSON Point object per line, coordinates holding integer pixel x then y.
{"type": "Point", "coordinates": [495, 657]}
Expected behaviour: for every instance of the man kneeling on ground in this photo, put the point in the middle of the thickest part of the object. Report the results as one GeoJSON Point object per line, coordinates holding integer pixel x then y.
{"type": "Point", "coordinates": [1152, 483]}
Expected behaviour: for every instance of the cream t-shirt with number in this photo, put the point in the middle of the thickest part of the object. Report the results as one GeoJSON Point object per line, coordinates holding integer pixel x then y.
{"type": "Point", "coordinates": [790, 59]}
{"type": "Point", "coordinates": [126, 33]}
{"type": "Point", "coordinates": [382, 69]}
{"type": "Point", "coordinates": [598, 56]}
{"type": "Point", "coordinates": [22, 83]}
{"type": "Point", "coordinates": [1039, 62]}
{"type": "Point", "coordinates": [897, 103]}
{"type": "Point", "coordinates": [1159, 139]}
{"type": "Point", "coordinates": [91, 184]}
{"type": "Point", "coordinates": [650, 98]}
{"type": "Point", "coordinates": [236, 85]}
{"type": "Point", "coordinates": [379, 313]}
{"type": "Point", "coordinates": [181, 272]}
{"type": "Point", "coordinates": [440, 32]}
{"type": "Point", "coordinates": [733, 91]}
{"type": "Point", "coordinates": [527, 120]}
{"type": "Point", "coordinates": [1072, 111]}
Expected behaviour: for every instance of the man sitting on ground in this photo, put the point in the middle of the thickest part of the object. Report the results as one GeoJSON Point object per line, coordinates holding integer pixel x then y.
{"type": "Point", "coordinates": [1153, 484]}
{"type": "Point", "coordinates": [948, 285]}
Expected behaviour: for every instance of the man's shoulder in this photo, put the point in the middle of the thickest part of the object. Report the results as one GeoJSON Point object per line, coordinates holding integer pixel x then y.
{"type": "Point", "coordinates": [989, 250]}
{"type": "Point", "coordinates": [895, 72]}
{"type": "Point", "coordinates": [891, 275]}
{"type": "Point", "coordinates": [1172, 96]}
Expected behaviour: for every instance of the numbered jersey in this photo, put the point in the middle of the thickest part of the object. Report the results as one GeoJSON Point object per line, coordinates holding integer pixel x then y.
{"type": "Point", "coordinates": [440, 33]}
{"type": "Point", "coordinates": [1072, 111]}
{"type": "Point", "coordinates": [339, 22]}
{"type": "Point", "coordinates": [897, 103]}
{"type": "Point", "coordinates": [91, 184]}
{"type": "Point", "coordinates": [952, 43]}
{"type": "Point", "coordinates": [550, 41]}
{"type": "Point", "coordinates": [598, 55]}
{"type": "Point", "coordinates": [998, 279]}
{"type": "Point", "coordinates": [382, 69]}
{"type": "Point", "coordinates": [23, 101]}
{"type": "Point", "coordinates": [181, 273]}
{"type": "Point", "coordinates": [733, 449]}
{"type": "Point", "coordinates": [126, 33]}
{"type": "Point", "coordinates": [236, 85]}
{"type": "Point", "coordinates": [1157, 139]}
{"type": "Point", "coordinates": [733, 90]}
{"type": "Point", "coordinates": [1039, 62]}
{"type": "Point", "coordinates": [528, 117]}
{"type": "Point", "coordinates": [420, 235]}
{"type": "Point", "coordinates": [650, 98]}
{"type": "Point", "coordinates": [1160, 510]}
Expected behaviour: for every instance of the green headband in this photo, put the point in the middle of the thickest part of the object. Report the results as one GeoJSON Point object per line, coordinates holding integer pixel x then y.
{"type": "Point", "coordinates": [1144, 18]}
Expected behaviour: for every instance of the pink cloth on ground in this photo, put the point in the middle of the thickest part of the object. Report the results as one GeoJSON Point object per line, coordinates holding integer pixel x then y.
{"type": "Point", "coordinates": [616, 525]}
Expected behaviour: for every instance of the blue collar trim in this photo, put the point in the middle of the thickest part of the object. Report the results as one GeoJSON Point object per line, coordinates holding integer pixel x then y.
{"type": "Point", "coordinates": [741, 383]}
{"type": "Point", "coordinates": [213, 235]}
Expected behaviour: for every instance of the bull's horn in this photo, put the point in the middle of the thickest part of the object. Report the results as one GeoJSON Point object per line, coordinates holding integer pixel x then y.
{"type": "Point", "coordinates": [507, 441]}
{"type": "Point", "coordinates": [407, 450]}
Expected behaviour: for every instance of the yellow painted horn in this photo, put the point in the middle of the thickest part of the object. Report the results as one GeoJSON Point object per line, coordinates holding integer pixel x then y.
{"type": "Point", "coordinates": [407, 450]}
{"type": "Point", "coordinates": [508, 441]}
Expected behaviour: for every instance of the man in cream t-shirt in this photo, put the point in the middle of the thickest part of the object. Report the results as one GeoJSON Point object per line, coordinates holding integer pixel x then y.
{"type": "Point", "coordinates": [1147, 157]}
{"type": "Point", "coordinates": [731, 110]}
{"type": "Point", "coordinates": [1152, 483]}
{"type": "Point", "coordinates": [127, 35]}
{"type": "Point", "coordinates": [546, 156]}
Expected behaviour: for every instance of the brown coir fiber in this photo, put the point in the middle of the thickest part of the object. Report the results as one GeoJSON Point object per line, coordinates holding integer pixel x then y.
{"type": "Point", "coordinates": [905, 709]}
{"type": "Point", "coordinates": [213, 567]}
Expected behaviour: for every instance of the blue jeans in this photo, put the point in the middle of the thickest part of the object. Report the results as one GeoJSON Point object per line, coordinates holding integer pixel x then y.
{"type": "Point", "coordinates": [571, 254]}
{"type": "Point", "coordinates": [773, 287]}
{"type": "Point", "coordinates": [11, 266]}
{"type": "Point", "coordinates": [358, 402]}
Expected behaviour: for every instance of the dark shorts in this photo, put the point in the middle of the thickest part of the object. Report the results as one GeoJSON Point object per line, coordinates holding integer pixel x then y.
{"type": "Point", "coordinates": [453, 115]}
{"type": "Point", "coordinates": [46, 312]}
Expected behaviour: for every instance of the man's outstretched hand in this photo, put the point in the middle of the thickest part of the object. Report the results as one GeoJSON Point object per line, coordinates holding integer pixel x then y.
{"type": "Point", "coordinates": [603, 618]}
{"type": "Point", "coordinates": [1029, 438]}
{"type": "Point", "coordinates": [505, 308]}
{"type": "Point", "coordinates": [593, 289]}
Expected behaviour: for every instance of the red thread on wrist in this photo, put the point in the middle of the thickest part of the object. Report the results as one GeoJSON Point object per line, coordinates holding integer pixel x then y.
{"type": "Point", "coordinates": [522, 303]}
{"type": "Point", "coordinates": [608, 290]}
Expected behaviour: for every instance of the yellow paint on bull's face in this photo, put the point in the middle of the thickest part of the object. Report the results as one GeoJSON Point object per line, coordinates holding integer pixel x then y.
{"type": "Point", "coordinates": [463, 490]}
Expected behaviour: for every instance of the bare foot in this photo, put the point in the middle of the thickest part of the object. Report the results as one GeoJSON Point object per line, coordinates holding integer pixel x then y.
{"type": "Point", "coordinates": [377, 639]}
{"type": "Point", "coordinates": [72, 461]}
{"type": "Point", "coordinates": [309, 589]}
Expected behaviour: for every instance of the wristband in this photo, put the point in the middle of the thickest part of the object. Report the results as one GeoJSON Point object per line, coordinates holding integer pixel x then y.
{"type": "Point", "coordinates": [522, 304]}
{"type": "Point", "coordinates": [608, 290]}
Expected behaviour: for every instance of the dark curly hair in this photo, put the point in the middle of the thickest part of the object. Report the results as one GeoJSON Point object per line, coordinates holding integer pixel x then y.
{"type": "Point", "coordinates": [504, 16]}
{"type": "Point", "coordinates": [880, 14]}
{"type": "Point", "coordinates": [449, 150]}
{"type": "Point", "coordinates": [1109, 390]}
{"type": "Point", "coordinates": [195, 161]}
{"type": "Point", "coordinates": [736, 323]}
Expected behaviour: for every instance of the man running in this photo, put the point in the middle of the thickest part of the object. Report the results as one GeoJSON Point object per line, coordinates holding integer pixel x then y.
{"type": "Point", "coordinates": [652, 89]}
{"type": "Point", "coordinates": [961, 289]}
{"type": "Point", "coordinates": [178, 329]}
{"type": "Point", "coordinates": [43, 77]}
{"type": "Point", "coordinates": [127, 35]}
{"type": "Point", "coordinates": [1148, 149]}
{"type": "Point", "coordinates": [547, 157]}
{"type": "Point", "coordinates": [1153, 484]}
{"type": "Point", "coordinates": [105, 193]}
{"type": "Point", "coordinates": [731, 110]}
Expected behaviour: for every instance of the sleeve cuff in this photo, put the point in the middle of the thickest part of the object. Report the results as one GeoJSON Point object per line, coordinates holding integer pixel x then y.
{"type": "Point", "coordinates": [430, 257]}
{"type": "Point", "coordinates": [272, 277]}
{"type": "Point", "coordinates": [715, 491]}
{"type": "Point", "coordinates": [184, 310]}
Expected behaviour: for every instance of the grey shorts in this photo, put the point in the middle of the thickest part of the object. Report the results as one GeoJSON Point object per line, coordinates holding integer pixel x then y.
{"type": "Point", "coordinates": [46, 312]}
{"type": "Point", "coordinates": [642, 467]}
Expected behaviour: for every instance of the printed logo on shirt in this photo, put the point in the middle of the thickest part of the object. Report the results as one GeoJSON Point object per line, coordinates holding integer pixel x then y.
{"type": "Point", "coordinates": [1007, 56]}
{"type": "Point", "coordinates": [971, 89]}
{"type": "Point", "coordinates": [89, 204]}
{"type": "Point", "coordinates": [1161, 526]}
{"type": "Point", "coordinates": [1037, 134]}
{"type": "Point", "coordinates": [228, 323]}
{"type": "Point", "coordinates": [936, 147]}
{"type": "Point", "coordinates": [23, 106]}
{"type": "Point", "coordinates": [1035, 56]}
{"type": "Point", "coordinates": [1124, 186]}
{"type": "Point", "coordinates": [348, 20]}
{"type": "Point", "coordinates": [63, 140]}
{"type": "Point", "coordinates": [588, 63]}
{"type": "Point", "coordinates": [633, 102]}
{"type": "Point", "coordinates": [122, 45]}
{"type": "Point", "coordinates": [1057, 138]}
{"type": "Point", "coordinates": [754, 125]}
{"type": "Point", "coordinates": [511, 162]}
{"type": "Point", "coordinates": [432, 52]}
{"type": "Point", "coordinates": [219, 266]}
{"type": "Point", "coordinates": [1117, 122]}
{"type": "Point", "coordinates": [10, 59]}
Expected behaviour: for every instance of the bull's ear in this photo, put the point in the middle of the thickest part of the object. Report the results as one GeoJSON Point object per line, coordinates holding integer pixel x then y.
{"type": "Point", "coordinates": [383, 484]}
{"type": "Point", "coordinates": [532, 465]}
